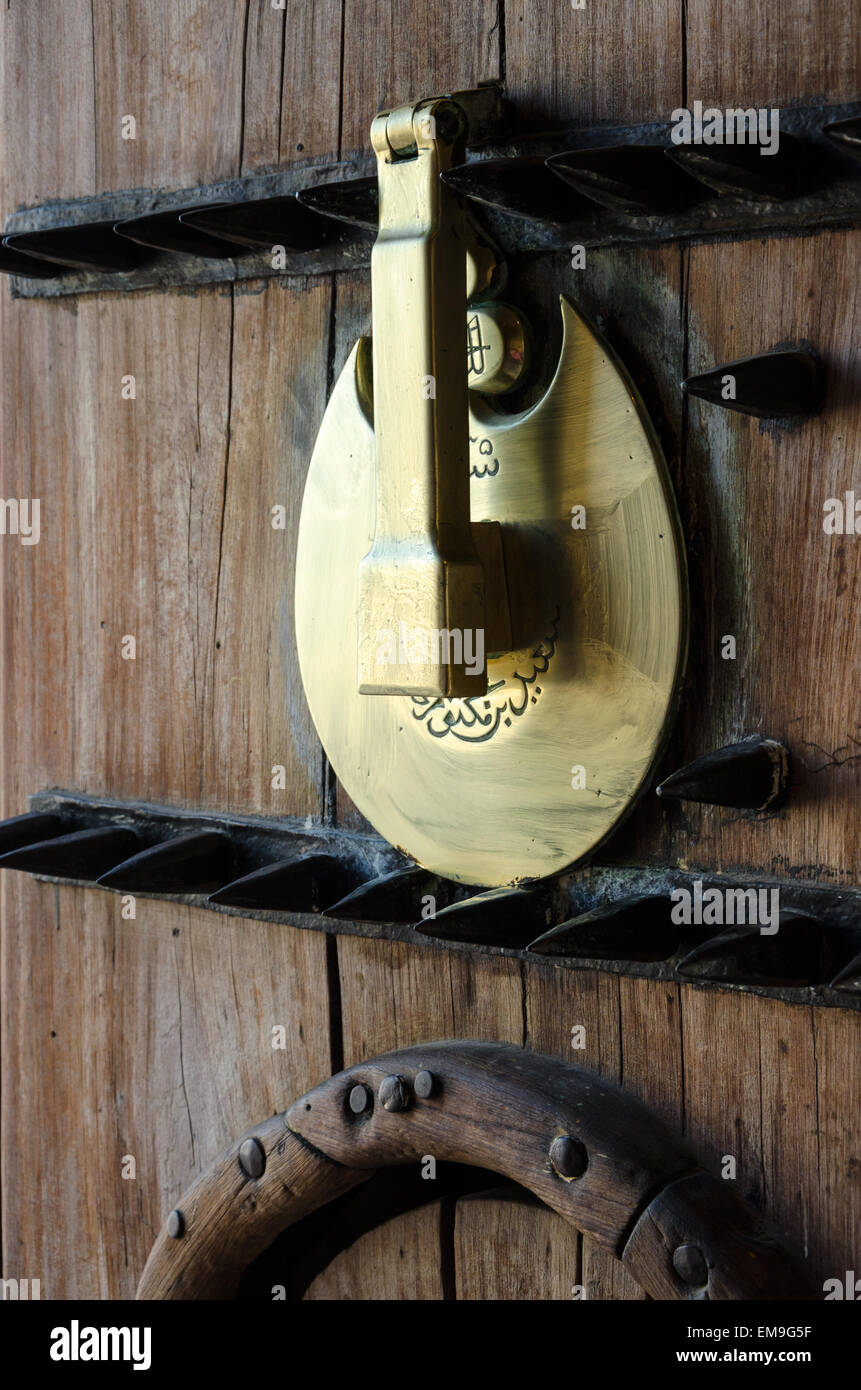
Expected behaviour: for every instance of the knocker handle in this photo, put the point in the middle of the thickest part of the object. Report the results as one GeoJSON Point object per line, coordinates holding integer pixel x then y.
{"type": "Point", "coordinates": [592, 1153]}
{"type": "Point", "coordinates": [422, 575]}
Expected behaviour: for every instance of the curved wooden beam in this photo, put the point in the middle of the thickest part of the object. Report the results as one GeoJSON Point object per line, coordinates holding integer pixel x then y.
{"type": "Point", "coordinates": [228, 1218]}
{"type": "Point", "coordinates": [592, 1153]}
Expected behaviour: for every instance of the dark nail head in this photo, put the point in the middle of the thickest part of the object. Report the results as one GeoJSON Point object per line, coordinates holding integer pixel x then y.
{"type": "Point", "coordinates": [394, 1093]}
{"type": "Point", "coordinates": [176, 1224]}
{"type": "Point", "coordinates": [359, 1100]}
{"type": "Point", "coordinates": [252, 1158]}
{"type": "Point", "coordinates": [568, 1157]}
{"type": "Point", "coordinates": [424, 1084]}
{"type": "Point", "coordinates": [689, 1262]}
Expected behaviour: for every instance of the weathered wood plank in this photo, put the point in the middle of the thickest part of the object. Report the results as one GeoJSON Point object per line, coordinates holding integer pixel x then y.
{"type": "Point", "coordinates": [182, 501]}
{"type": "Point", "coordinates": [310, 92]}
{"type": "Point", "coordinates": [807, 49]}
{"type": "Point", "coordinates": [834, 1237]}
{"type": "Point", "coordinates": [767, 1085]}
{"type": "Point", "coordinates": [508, 1250]}
{"type": "Point", "coordinates": [397, 50]}
{"type": "Point", "coordinates": [575, 1015]}
{"type": "Point", "coordinates": [619, 63]}
{"type": "Point", "coordinates": [399, 1259]}
{"type": "Point", "coordinates": [764, 571]}
{"type": "Point", "coordinates": [47, 141]}
{"type": "Point", "coordinates": [393, 995]}
{"type": "Point", "coordinates": [179, 71]}
{"type": "Point", "coordinates": [150, 516]}
{"type": "Point", "coordinates": [151, 1038]}
{"type": "Point", "coordinates": [279, 346]}
{"type": "Point", "coordinates": [723, 1085]}
{"type": "Point", "coordinates": [154, 510]}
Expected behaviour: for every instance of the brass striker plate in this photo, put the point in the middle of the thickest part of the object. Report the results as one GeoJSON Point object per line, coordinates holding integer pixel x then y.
{"type": "Point", "coordinates": [530, 778]}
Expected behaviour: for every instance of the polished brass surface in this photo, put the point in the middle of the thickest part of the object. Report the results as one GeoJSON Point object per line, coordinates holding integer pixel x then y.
{"type": "Point", "coordinates": [496, 349]}
{"type": "Point", "coordinates": [421, 576]}
{"type": "Point", "coordinates": [530, 777]}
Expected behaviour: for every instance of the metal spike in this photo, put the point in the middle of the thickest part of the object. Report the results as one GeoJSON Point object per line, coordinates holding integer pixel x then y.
{"type": "Point", "coordinates": [197, 862]}
{"type": "Point", "coordinates": [31, 828]}
{"type": "Point", "coordinates": [848, 979]}
{"type": "Point", "coordinates": [742, 171]}
{"type": "Point", "coordinates": [93, 246]}
{"type": "Point", "coordinates": [165, 231]}
{"type": "Point", "coordinates": [631, 179]}
{"type": "Point", "coordinates": [354, 201]}
{"type": "Point", "coordinates": [846, 134]}
{"type": "Point", "coordinates": [291, 885]}
{"type": "Point", "coordinates": [263, 223]}
{"type": "Point", "coordinates": [523, 187]}
{"type": "Point", "coordinates": [638, 928]}
{"type": "Point", "coordinates": [771, 386]}
{"type": "Point", "coordinates": [83, 854]}
{"type": "Point", "coordinates": [751, 775]}
{"type": "Point", "coordinates": [393, 897]}
{"type": "Point", "coordinates": [16, 263]}
{"type": "Point", "coordinates": [499, 917]}
{"type": "Point", "coordinates": [743, 955]}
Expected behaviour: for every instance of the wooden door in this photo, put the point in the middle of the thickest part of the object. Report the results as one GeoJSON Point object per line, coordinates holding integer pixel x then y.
{"type": "Point", "coordinates": [152, 1038]}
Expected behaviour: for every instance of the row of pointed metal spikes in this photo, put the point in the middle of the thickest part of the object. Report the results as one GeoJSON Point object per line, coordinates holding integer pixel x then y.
{"type": "Point", "coordinates": [629, 181]}
{"type": "Point", "coordinates": [601, 918]}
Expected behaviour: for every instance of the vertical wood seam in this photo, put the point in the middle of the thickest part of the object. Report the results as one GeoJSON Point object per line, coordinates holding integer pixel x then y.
{"type": "Point", "coordinates": [242, 86]}
{"type": "Point", "coordinates": [227, 443]}
{"type": "Point", "coordinates": [333, 990]}
{"type": "Point", "coordinates": [447, 1249]}
{"type": "Point", "coordinates": [281, 78]}
{"type": "Point", "coordinates": [97, 183]}
{"type": "Point", "coordinates": [328, 780]}
{"type": "Point", "coordinates": [341, 81]}
{"type": "Point", "coordinates": [500, 37]}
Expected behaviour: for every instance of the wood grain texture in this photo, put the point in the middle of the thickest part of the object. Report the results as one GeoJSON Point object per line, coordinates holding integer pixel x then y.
{"type": "Point", "coordinates": [395, 51]}
{"type": "Point", "coordinates": [398, 1260]}
{"type": "Point", "coordinates": [310, 91]}
{"type": "Point", "coordinates": [740, 1077]}
{"type": "Point", "coordinates": [47, 140]}
{"type": "Point", "coordinates": [394, 995]}
{"type": "Point", "coordinates": [214, 93]}
{"type": "Point", "coordinates": [564, 1008]}
{"type": "Point", "coordinates": [834, 1237]}
{"type": "Point", "coordinates": [722, 1249]}
{"type": "Point", "coordinates": [179, 70]}
{"type": "Point", "coordinates": [233, 1215]}
{"type": "Point", "coordinates": [764, 571]}
{"type": "Point", "coordinates": [740, 54]}
{"type": "Point", "coordinates": [508, 1250]}
{"type": "Point", "coordinates": [276, 393]}
{"type": "Point", "coordinates": [502, 1107]}
{"type": "Point", "coordinates": [619, 63]}
{"type": "Point", "coordinates": [151, 1038]}
{"type": "Point", "coordinates": [757, 1091]}
{"type": "Point", "coordinates": [156, 523]}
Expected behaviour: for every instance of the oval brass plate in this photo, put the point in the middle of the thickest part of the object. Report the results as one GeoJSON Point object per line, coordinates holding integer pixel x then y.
{"type": "Point", "coordinates": [529, 779]}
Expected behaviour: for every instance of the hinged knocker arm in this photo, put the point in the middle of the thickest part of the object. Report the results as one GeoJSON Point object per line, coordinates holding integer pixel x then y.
{"type": "Point", "coordinates": [422, 574]}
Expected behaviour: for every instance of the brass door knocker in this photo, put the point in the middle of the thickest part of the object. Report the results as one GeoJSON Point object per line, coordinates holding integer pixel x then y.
{"type": "Point", "coordinates": [490, 608]}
